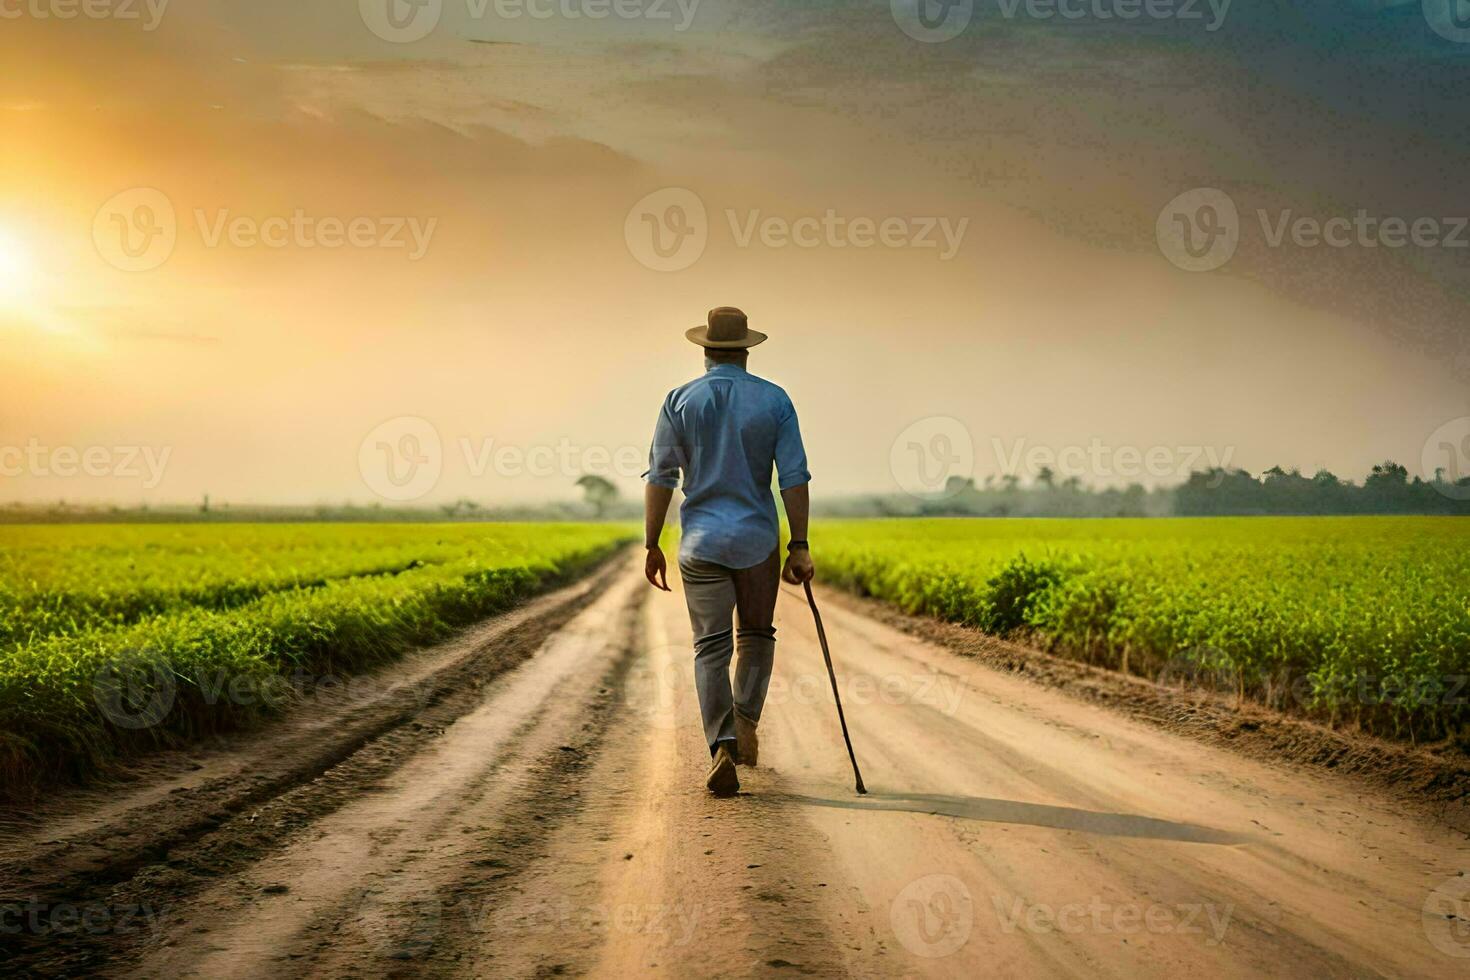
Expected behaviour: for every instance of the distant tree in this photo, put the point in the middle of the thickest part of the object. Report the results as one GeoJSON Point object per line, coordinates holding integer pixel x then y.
{"type": "Point", "coordinates": [1388, 473]}
{"type": "Point", "coordinates": [599, 492]}
{"type": "Point", "coordinates": [1386, 489]}
{"type": "Point", "coordinates": [463, 507]}
{"type": "Point", "coordinates": [1045, 477]}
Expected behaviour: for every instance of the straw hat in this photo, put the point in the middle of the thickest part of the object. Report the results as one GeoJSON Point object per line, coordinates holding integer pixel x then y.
{"type": "Point", "coordinates": [725, 329]}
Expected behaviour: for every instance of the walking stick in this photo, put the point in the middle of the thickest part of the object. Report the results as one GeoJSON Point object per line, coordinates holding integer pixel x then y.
{"type": "Point", "coordinates": [827, 656]}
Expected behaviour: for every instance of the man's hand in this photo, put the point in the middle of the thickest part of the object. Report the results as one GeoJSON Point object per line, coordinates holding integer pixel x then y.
{"type": "Point", "coordinates": [799, 567]}
{"type": "Point", "coordinates": [799, 558]}
{"type": "Point", "coordinates": [657, 569]}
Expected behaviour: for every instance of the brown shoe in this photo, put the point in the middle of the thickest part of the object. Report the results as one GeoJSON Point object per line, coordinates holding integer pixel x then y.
{"type": "Point", "coordinates": [747, 744]}
{"type": "Point", "coordinates": [722, 780]}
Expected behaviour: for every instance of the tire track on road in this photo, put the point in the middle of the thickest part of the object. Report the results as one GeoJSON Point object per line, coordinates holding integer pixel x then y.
{"type": "Point", "coordinates": [155, 846]}
{"type": "Point", "coordinates": [353, 890]}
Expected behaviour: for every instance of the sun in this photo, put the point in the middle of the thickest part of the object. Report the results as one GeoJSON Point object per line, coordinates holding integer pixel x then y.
{"type": "Point", "coordinates": [17, 272]}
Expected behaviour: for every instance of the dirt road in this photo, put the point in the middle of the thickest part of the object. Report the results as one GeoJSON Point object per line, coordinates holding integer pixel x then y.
{"type": "Point", "coordinates": [527, 801]}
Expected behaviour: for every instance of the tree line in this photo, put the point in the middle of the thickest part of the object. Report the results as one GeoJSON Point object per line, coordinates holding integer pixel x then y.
{"type": "Point", "coordinates": [1388, 489]}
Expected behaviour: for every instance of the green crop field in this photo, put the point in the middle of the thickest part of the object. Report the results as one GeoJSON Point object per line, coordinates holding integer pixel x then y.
{"type": "Point", "coordinates": [1359, 619]}
{"type": "Point", "coordinates": [97, 620]}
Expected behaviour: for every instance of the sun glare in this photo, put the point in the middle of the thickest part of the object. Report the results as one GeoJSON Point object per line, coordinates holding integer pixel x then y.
{"type": "Point", "coordinates": [16, 269]}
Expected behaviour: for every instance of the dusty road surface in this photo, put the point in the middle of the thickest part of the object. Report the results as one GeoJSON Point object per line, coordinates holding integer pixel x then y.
{"type": "Point", "coordinates": [527, 801]}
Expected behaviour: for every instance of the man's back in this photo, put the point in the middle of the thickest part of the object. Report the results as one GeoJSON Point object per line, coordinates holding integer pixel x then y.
{"type": "Point", "coordinates": [725, 430]}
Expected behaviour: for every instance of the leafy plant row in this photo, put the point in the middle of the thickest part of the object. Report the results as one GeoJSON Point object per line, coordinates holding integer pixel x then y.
{"type": "Point", "coordinates": [1365, 620]}
{"type": "Point", "coordinates": [68, 578]}
{"type": "Point", "coordinates": [70, 702]}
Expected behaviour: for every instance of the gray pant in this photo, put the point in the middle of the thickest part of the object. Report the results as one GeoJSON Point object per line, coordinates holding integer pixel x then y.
{"type": "Point", "coordinates": [714, 593]}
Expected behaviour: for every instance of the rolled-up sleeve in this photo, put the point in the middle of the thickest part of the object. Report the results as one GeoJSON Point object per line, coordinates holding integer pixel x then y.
{"type": "Point", "coordinates": [665, 455]}
{"type": "Point", "coordinates": [790, 453]}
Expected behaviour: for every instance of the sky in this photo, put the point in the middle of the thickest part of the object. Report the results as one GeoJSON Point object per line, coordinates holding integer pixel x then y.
{"type": "Point", "coordinates": [312, 251]}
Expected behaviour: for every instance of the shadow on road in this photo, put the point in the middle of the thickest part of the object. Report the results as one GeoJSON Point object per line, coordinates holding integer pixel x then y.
{"type": "Point", "coordinates": [1034, 814]}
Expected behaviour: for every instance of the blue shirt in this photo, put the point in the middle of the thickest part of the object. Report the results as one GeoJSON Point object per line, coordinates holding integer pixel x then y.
{"type": "Point", "coordinates": [726, 430]}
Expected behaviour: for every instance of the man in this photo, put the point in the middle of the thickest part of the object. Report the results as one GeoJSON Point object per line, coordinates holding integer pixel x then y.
{"type": "Point", "coordinates": [726, 430]}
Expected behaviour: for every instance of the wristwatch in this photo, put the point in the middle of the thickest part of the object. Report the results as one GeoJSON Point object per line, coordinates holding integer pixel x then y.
{"type": "Point", "coordinates": [798, 544]}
